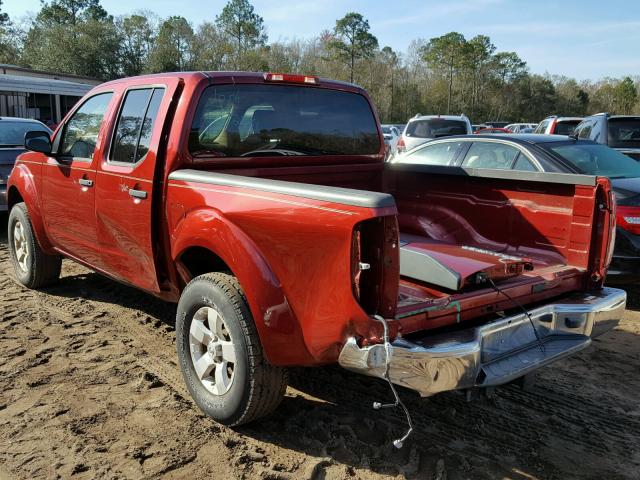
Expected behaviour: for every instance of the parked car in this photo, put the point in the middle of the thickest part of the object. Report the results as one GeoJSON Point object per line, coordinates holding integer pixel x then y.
{"type": "Point", "coordinates": [476, 127]}
{"type": "Point", "coordinates": [435, 281]}
{"type": "Point", "coordinates": [554, 154]}
{"type": "Point", "coordinates": [521, 127]}
{"type": "Point", "coordinates": [391, 135]}
{"type": "Point", "coordinates": [422, 128]}
{"type": "Point", "coordinates": [492, 130]}
{"type": "Point", "coordinates": [400, 127]}
{"type": "Point", "coordinates": [554, 125]}
{"type": "Point", "coordinates": [12, 132]}
{"type": "Point", "coordinates": [621, 132]}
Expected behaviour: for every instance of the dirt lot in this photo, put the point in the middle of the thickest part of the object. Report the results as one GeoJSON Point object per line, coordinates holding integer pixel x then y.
{"type": "Point", "coordinates": [90, 389]}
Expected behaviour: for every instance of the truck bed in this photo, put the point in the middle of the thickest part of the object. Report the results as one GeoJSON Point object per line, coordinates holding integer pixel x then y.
{"type": "Point", "coordinates": [543, 219]}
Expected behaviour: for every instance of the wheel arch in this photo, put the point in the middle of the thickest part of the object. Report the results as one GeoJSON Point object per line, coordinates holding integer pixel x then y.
{"type": "Point", "coordinates": [206, 240]}
{"type": "Point", "coordinates": [22, 188]}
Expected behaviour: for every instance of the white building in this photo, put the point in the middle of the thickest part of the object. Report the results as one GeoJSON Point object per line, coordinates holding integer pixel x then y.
{"type": "Point", "coordinates": [44, 96]}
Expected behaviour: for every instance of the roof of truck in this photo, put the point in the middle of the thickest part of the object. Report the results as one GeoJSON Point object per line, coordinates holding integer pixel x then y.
{"type": "Point", "coordinates": [232, 76]}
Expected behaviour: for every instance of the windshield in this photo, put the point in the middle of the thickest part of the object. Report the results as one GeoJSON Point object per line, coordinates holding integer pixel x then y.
{"type": "Point", "coordinates": [624, 132]}
{"type": "Point", "coordinates": [598, 160]}
{"type": "Point", "coordinates": [387, 130]}
{"type": "Point", "coordinates": [566, 127]}
{"type": "Point", "coordinates": [12, 132]}
{"type": "Point", "coordinates": [435, 128]}
{"type": "Point", "coordinates": [273, 120]}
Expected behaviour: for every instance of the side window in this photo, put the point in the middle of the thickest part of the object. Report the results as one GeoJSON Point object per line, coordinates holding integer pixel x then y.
{"type": "Point", "coordinates": [542, 127]}
{"type": "Point", "coordinates": [135, 124]}
{"type": "Point", "coordinates": [524, 164]}
{"type": "Point", "coordinates": [585, 129]}
{"type": "Point", "coordinates": [490, 155]}
{"type": "Point", "coordinates": [433, 154]}
{"type": "Point", "coordinates": [82, 129]}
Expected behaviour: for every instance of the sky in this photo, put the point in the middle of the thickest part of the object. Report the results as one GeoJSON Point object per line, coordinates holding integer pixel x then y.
{"type": "Point", "coordinates": [588, 39]}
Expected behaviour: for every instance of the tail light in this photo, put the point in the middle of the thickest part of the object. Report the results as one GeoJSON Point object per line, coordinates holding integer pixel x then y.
{"type": "Point", "coordinates": [289, 78]}
{"type": "Point", "coordinates": [375, 265]}
{"type": "Point", "coordinates": [401, 147]}
{"type": "Point", "coordinates": [628, 218]}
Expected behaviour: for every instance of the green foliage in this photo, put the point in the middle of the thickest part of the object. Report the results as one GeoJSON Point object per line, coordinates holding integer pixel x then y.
{"type": "Point", "coordinates": [173, 47]}
{"type": "Point", "coordinates": [137, 36]}
{"type": "Point", "coordinates": [626, 96]}
{"type": "Point", "coordinates": [352, 40]}
{"type": "Point", "coordinates": [74, 36]}
{"type": "Point", "coordinates": [243, 26]}
{"type": "Point", "coordinates": [443, 74]}
{"type": "Point", "coordinates": [9, 37]}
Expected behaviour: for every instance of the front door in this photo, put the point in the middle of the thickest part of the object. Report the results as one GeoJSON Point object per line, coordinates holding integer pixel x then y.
{"type": "Point", "coordinates": [69, 182]}
{"type": "Point", "coordinates": [125, 181]}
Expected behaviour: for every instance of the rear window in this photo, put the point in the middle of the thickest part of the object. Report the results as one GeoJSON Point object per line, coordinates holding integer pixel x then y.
{"type": "Point", "coordinates": [12, 133]}
{"type": "Point", "coordinates": [624, 132]}
{"type": "Point", "coordinates": [566, 127]}
{"type": "Point", "coordinates": [272, 120]}
{"type": "Point", "coordinates": [598, 160]}
{"type": "Point", "coordinates": [435, 128]}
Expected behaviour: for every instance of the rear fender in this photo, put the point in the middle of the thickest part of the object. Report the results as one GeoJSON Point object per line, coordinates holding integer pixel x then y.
{"type": "Point", "coordinates": [278, 328]}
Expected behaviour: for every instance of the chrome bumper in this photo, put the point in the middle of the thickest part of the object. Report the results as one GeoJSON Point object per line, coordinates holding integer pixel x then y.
{"type": "Point", "coordinates": [495, 353]}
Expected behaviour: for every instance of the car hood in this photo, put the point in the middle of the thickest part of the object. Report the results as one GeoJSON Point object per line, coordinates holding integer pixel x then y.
{"type": "Point", "coordinates": [8, 155]}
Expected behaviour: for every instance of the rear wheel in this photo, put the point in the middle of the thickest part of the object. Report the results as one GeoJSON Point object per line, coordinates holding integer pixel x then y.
{"type": "Point", "coordinates": [220, 355]}
{"type": "Point", "coordinates": [33, 268]}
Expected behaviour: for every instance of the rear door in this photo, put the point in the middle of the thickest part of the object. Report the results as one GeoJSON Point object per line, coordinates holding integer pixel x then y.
{"type": "Point", "coordinates": [125, 193]}
{"type": "Point", "coordinates": [68, 184]}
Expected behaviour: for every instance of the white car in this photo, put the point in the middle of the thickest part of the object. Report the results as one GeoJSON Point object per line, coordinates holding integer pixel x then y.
{"type": "Point", "coordinates": [422, 128]}
{"type": "Point", "coordinates": [521, 127]}
{"type": "Point", "coordinates": [391, 135]}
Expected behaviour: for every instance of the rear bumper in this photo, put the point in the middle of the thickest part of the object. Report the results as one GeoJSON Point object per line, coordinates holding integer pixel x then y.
{"type": "Point", "coordinates": [495, 353]}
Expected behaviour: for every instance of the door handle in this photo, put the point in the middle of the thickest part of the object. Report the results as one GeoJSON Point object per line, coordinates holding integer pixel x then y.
{"type": "Point", "coordinates": [137, 193]}
{"type": "Point", "coordinates": [85, 182]}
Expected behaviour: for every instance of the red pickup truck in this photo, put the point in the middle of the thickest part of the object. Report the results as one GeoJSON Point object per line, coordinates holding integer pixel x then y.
{"type": "Point", "coordinates": [262, 204]}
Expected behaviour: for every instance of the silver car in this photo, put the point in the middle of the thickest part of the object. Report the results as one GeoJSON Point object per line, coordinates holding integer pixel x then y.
{"type": "Point", "coordinates": [422, 128]}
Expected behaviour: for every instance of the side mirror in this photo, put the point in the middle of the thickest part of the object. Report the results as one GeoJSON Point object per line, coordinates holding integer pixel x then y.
{"type": "Point", "coordinates": [37, 141]}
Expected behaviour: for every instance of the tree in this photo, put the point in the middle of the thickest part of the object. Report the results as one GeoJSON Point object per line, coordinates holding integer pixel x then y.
{"type": "Point", "coordinates": [137, 37]}
{"type": "Point", "coordinates": [211, 48]}
{"type": "Point", "coordinates": [446, 52]}
{"type": "Point", "coordinates": [352, 40]}
{"type": "Point", "coordinates": [9, 48]}
{"type": "Point", "coordinates": [508, 66]}
{"type": "Point", "coordinates": [625, 95]}
{"type": "Point", "coordinates": [243, 26]}
{"type": "Point", "coordinates": [73, 36]}
{"type": "Point", "coordinates": [478, 53]}
{"type": "Point", "coordinates": [173, 50]}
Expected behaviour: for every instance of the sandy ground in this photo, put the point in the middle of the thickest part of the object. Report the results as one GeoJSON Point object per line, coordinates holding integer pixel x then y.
{"type": "Point", "coordinates": [90, 389]}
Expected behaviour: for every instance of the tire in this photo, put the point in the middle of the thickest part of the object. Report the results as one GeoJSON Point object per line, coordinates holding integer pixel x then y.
{"type": "Point", "coordinates": [32, 267]}
{"type": "Point", "coordinates": [230, 392]}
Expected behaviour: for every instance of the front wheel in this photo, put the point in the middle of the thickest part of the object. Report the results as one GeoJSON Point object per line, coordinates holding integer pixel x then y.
{"type": "Point", "coordinates": [33, 268]}
{"type": "Point", "coordinates": [220, 355]}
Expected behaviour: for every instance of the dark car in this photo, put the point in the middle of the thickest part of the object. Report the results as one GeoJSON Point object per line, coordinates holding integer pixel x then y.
{"type": "Point", "coordinates": [621, 132]}
{"type": "Point", "coordinates": [555, 154]}
{"type": "Point", "coordinates": [12, 132]}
